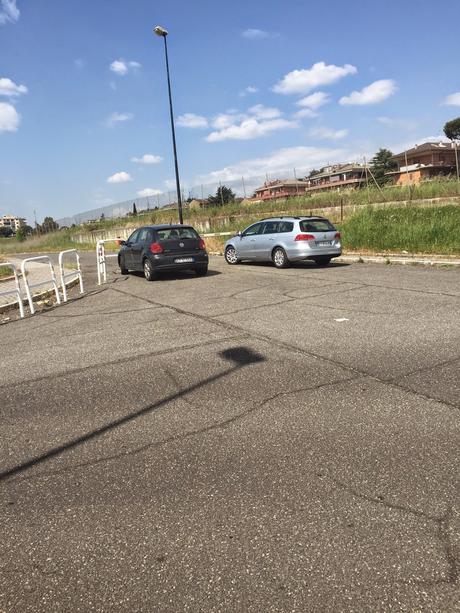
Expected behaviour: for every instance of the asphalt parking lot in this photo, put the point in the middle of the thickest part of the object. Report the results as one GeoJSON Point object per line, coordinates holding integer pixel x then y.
{"type": "Point", "coordinates": [256, 440]}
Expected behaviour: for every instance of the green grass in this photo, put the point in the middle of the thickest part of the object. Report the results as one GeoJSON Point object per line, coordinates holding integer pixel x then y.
{"type": "Point", "coordinates": [55, 241]}
{"type": "Point", "coordinates": [5, 271]}
{"type": "Point", "coordinates": [414, 229]}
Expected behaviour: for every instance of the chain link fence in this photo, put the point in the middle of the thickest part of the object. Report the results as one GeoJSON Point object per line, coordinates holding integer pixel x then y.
{"type": "Point", "coordinates": [243, 187]}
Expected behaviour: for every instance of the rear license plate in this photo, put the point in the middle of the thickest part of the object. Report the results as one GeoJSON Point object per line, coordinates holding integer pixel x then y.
{"type": "Point", "coordinates": [324, 243]}
{"type": "Point", "coordinates": [183, 260]}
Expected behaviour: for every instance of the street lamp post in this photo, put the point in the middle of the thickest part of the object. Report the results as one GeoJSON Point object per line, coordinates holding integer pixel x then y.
{"type": "Point", "coordinates": [164, 33]}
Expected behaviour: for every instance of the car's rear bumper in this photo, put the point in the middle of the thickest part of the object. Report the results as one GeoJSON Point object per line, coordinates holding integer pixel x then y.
{"type": "Point", "coordinates": [305, 252]}
{"type": "Point", "coordinates": [162, 261]}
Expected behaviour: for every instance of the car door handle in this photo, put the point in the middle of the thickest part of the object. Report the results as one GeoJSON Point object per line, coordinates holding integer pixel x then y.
{"type": "Point", "coordinates": [271, 239]}
{"type": "Point", "coordinates": [253, 240]}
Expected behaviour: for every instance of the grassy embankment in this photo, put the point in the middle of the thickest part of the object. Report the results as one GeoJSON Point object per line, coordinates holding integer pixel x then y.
{"type": "Point", "coordinates": [412, 229]}
{"type": "Point", "coordinates": [301, 204]}
{"type": "Point", "coordinates": [53, 242]}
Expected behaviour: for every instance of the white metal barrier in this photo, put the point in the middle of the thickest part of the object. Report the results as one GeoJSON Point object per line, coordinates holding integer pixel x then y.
{"type": "Point", "coordinates": [74, 274]}
{"type": "Point", "coordinates": [102, 256]}
{"type": "Point", "coordinates": [28, 285]}
{"type": "Point", "coordinates": [17, 289]}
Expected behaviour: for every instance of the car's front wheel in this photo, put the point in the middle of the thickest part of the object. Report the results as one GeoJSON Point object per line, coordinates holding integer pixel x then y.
{"type": "Point", "coordinates": [123, 269]}
{"type": "Point", "coordinates": [149, 272]}
{"type": "Point", "coordinates": [231, 256]}
{"type": "Point", "coordinates": [279, 257]}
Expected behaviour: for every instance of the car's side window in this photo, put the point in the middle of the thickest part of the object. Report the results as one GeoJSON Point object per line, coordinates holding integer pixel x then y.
{"type": "Point", "coordinates": [144, 235]}
{"type": "Point", "coordinates": [133, 238]}
{"type": "Point", "coordinates": [253, 230]}
{"type": "Point", "coordinates": [270, 227]}
{"type": "Point", "coordinates": [285, 226]}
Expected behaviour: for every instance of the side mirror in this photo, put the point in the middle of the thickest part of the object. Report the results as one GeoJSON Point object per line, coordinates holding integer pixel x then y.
{"type": "Point", "coordinates": [121, 243]}
{"type": "Point", "coordinates": [239, 233]}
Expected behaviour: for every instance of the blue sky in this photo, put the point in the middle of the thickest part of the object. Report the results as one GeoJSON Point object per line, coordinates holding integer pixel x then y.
{"type": "Point", "coordinates": [258, 87]}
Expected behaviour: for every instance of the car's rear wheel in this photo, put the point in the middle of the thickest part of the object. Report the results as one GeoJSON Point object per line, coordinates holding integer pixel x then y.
{"type": "Point", "coordinates": [149, 272]}
{"type": "Point", "coordinates": [279, 257]}
{"type": "Point", "coordinates": [322, 260]}
{"type": "Point", "coordinates": [201, 271]}
{"type": "Point", "coordinates": [231, 256]}
{"type": "Point", "coordinates": [123, 269]}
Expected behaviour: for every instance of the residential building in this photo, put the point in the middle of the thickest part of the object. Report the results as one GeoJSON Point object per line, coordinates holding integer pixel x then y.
{"type": "Point", "coordinates": [10, 221]}
{"type": "Point", "coordinates": [281, 188]}
{"type": "Point", "coordinates": [424, 162]}
{"type": "Point", "coordinates": [336, 177]}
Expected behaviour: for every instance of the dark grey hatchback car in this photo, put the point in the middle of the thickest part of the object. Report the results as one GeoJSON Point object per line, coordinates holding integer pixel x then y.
{"type": "Point", "coordinates": [153, 249]}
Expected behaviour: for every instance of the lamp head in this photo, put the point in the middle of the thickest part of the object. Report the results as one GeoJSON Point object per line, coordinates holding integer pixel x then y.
{"type": "Point", "coordinates": [160, 31]}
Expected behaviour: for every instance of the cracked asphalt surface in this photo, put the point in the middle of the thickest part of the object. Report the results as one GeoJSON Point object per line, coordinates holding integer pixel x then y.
{"type": "Point", "coordinates": [256, 440]}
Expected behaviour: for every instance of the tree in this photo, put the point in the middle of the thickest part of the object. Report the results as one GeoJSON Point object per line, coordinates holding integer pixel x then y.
{"type": "Point", "coordinates": [134, 209]}
{"type": "Point", "coordinates": [314, 172]}
{"type": "Point", "coordinates": [452, 129]}
{"type": "Point", "coordinates": [21, 234]}
{"type": "Point", "coordinates": [48, 225]}
{"type": "Point", "coordinates": [224, 195]}
{"type": "Point", "coordinates": [5, 232]}
{"type": "Point", "coordinates": [381, 163]}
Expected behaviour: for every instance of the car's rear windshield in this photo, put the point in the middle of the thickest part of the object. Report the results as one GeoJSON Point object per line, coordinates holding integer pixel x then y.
{"type": "Point", "coordinates": [176, 233]}
{"type": "Point", "coordinates": [316, 225]}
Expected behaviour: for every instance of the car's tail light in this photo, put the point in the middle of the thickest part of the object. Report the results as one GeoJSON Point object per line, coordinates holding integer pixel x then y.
{"type": "Point", "coordinates": [202, 245]}
{"type": "Point", "coordinates": [156, 248]}
{"type": "Point", "coordinates": [304, 237]}
{"type": "Point", "coordinates": [337, 235]}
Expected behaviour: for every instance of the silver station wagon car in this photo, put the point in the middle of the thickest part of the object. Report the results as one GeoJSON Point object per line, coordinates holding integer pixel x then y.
{"type": "Point", "coordinates": [286, 239]}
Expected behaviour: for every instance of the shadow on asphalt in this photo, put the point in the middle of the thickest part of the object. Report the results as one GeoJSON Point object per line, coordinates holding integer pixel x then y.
{"type": "Point", "coordinates": [239, 357]}
{"type": "Point", "coordinates": [305, 265]}
{"type": "Point", "coordinates": [176, 276]}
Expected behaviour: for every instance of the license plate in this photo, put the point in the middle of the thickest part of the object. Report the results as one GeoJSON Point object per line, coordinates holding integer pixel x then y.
{"type": "Point", "coordinates": [183, 260]}
{"type": "Point", "coordinates": [324, 243]}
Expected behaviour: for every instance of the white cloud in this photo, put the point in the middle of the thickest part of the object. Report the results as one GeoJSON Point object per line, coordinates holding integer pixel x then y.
{"type": "Point", "coordinates": [9, 12]}
{"type": "Point", "coordinates": [327, 133]}
{"type": "Point", "coordinates": [255, 34]}
{"type": "Point", "coordinates": [248, 90]}
{"type": "Point", "coordinates": [314, 101]}
{"type": "Point", "coordinates": [225, 120]}
{"type": "Point", "coordinates": [250, 128]}
{"type": "Point", "coordinates": [79, 63]}
{"type": "Point", "coordinates": [118, 118]}
{"type": "Point", "coordinates": [170, 184]}
{"type": "Point", "coordinates": [378, 91]}
{"type": "Point", "coordinates": [190, 120]}
{"type": "Point", "coordinates": [147, 158]}
{"type": "Point", "coordinates": [264, 112]}
{"type": "Point", "coordinates": [308, 113]}
{"type": "Point", "coordinates": [121, 67]}
{"type": "Point", "coordinates": [280, 162]}
{"type": "Point", "coordinates": [120, 177]}
{"type": "Point", "coordinates": [302, 81]}
{"type": "Point", "coordinates": [452, 99]}
{"type": "Point", "coordinates": [9, 88]}
{"type": "Point", "coordinates": [9, 118]}
{"type": "Point", "coordinates": [258, 121]}
{"type": "Point", "coordinates": [149, 191]}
